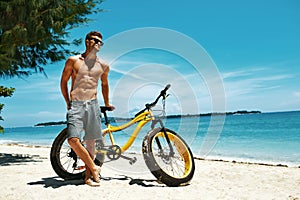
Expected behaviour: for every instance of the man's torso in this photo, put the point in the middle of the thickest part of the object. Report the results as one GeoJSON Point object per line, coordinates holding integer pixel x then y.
{"type": "Point", "coordinates": [85, 78]}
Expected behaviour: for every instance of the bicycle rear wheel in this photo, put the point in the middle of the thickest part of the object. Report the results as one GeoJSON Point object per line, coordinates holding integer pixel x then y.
{"type": "Point", "coordinates": [64, 160]}
{"type": "Point", "coordinates": [170, 162]}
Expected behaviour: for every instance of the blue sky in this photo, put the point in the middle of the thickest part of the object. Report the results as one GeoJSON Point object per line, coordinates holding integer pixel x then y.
{"type": "Point", "coordinates": [253, 45]}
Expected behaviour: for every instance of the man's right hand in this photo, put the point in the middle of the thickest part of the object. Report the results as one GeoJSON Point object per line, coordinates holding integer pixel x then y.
{"type": "Point", "coordinates": [111, 107]}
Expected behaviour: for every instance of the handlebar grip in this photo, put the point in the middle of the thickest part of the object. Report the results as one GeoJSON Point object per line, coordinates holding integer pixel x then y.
{"type": "Point", "coordinates": [165, 90]}
{"type": "Point", "coordinates": [104, 109]}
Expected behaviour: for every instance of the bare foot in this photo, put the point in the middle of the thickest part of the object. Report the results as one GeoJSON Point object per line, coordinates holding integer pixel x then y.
{"type": "Point", "coordinates": [95, 174]}
{"type": "Point", "coordinates": [91, 183]}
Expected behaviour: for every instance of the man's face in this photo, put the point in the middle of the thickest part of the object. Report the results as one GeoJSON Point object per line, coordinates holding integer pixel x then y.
{"type": "Point", "coordinates": [95, 43]}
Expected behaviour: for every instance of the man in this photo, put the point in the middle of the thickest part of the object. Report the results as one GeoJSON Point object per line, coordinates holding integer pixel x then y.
{"type": "Point", "coordinates": [85, 70]}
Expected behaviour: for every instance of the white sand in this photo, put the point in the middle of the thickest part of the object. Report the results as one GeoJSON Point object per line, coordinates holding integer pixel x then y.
{"type": "Point", "coordinates": [26, 173]}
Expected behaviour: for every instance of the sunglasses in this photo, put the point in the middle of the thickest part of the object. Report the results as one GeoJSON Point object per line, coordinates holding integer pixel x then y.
{"type": "Point", "coordinates": [97, 41]}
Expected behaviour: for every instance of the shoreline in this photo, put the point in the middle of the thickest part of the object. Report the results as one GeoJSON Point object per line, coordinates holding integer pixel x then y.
{"type": "Point", "coordinates": [247, 162]}
{"type": "Point", "coordinates": [29, 175]}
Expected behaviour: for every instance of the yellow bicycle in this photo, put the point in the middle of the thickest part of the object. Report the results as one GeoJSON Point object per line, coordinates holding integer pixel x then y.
{"type": "Point", "coordinates": [166, 154]}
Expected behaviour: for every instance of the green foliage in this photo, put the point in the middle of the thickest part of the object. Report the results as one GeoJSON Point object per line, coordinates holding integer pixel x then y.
{"type": "Point", "coordinates": [4, 92]}
{"type": "Point", "coordinates": [34, 32]}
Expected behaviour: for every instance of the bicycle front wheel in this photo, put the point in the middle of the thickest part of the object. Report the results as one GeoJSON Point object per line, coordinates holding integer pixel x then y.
{"type": "Point", "coordinates": [64, 160]}
{"type": "Point", "coordinates": [169, 158]}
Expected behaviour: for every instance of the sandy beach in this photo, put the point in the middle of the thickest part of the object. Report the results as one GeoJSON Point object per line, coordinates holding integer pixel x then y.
{"type": "Point", "coordinates": [26, 173]}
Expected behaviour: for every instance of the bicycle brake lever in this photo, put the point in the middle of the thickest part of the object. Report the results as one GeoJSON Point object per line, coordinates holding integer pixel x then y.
{"type": "Point", "coordinates": [165, 96]}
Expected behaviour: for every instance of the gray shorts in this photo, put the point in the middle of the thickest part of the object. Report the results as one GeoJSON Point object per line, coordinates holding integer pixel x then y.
{"type": "Point", "coordinates": [84, 116]}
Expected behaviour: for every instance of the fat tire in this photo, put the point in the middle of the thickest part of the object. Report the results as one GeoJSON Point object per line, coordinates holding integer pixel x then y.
{"type": "Point", "coordinates": [154, 167]}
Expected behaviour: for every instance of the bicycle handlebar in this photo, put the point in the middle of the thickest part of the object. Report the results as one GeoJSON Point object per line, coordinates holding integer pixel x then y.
{"type": "Point", "coordinates": [162, 94]}
{"type": "Point", "coordinates": [150, 105]}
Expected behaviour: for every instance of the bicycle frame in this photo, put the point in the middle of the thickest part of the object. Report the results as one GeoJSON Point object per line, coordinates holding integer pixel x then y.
{"type": "Point", "coordinates": [143, 118]}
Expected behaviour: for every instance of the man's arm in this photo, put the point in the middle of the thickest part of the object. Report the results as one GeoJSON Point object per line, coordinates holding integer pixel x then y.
{"type": "Point", "coordinates": [67, 72]}
{"type": "Point", "coordinates": [105, 87]}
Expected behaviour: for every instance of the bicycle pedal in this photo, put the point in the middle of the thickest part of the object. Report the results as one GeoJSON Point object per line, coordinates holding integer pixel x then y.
{"type": "Point", "coordinates": [132, 160]}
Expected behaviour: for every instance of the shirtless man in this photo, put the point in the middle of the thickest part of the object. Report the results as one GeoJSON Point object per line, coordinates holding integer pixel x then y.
{"type": "Point", "coordinates": [85, 70]}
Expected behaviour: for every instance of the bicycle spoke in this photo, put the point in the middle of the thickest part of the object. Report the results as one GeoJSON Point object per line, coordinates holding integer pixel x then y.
{"type": "Point", "coordinates": [68, 163]}
{"type": "Point", "coordinates": [177, 169]}
{"type": "Point", "coordinates": [174, 165]}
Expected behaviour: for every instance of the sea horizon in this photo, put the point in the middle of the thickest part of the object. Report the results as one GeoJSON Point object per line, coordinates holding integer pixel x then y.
{"type": "Point", "coordinates": [170, 116]}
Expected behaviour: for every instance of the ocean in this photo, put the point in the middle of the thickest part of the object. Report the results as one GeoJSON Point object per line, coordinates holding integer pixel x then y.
{"type": "Point", "coordinates": [268, 138]}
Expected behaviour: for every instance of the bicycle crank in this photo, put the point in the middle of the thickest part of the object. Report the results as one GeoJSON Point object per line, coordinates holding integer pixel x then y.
{"type": "Point", "coordinates": [114, 152]}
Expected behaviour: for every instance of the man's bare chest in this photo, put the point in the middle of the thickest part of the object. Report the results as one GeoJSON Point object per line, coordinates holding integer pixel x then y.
{"type": "Point", "coordinates": [92, 69]}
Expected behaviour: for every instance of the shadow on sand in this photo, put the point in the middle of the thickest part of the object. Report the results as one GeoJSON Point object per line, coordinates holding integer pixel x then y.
{"type": "Point", "coordinates": [7, 159]}
{"type": "Point", "coordinates": [56, 182]}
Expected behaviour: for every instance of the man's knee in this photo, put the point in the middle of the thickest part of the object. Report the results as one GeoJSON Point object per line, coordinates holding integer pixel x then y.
{"type": "Point", "coordinates": [73, 141]}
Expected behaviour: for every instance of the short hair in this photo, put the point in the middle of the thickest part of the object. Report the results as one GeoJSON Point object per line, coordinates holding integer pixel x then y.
{"type": "Point", "coordinates": [93, 33]}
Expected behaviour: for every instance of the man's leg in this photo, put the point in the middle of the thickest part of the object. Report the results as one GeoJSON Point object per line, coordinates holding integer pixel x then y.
{"type": "Point", "coordinates": [85, 157]}
{"type": "Point", "coordinates": [90, 146]}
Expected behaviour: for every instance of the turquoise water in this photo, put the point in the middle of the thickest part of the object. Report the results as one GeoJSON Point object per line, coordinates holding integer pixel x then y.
{"type": "Point", "coordinates": [272, 138]}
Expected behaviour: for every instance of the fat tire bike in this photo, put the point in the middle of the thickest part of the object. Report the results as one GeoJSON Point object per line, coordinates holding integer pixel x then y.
{"type": "Point", "coordinates": [165, 152]}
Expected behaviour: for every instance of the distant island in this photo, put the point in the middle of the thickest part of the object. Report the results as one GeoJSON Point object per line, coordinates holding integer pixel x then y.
{"type": "Point", "coordinates": [240, 112]}
{"type": "Point", "coordinates": [112, 119]}
{"type": "Point", "coordinates": [51, 123]}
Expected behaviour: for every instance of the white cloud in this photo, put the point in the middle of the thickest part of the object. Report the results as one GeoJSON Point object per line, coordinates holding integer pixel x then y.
{"type": "Point", "coordinates": [242, 73]}
{"type": "Point", "coordinates": [48, 114]}
{"type": "Point", "coordinates": [259, 88]}
{"type": "Point", "coordinates": [252, 81]}
{"type": "Point", "coordinates": [130, 91]}
{"type": "Point", "coordinates": [296, 94]}
{"type": "Point", "coordinates": [274, 78]}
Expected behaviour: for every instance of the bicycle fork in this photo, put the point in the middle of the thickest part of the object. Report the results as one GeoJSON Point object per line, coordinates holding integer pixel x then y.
{"type": "Point", "coordinates": [154, 122]}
